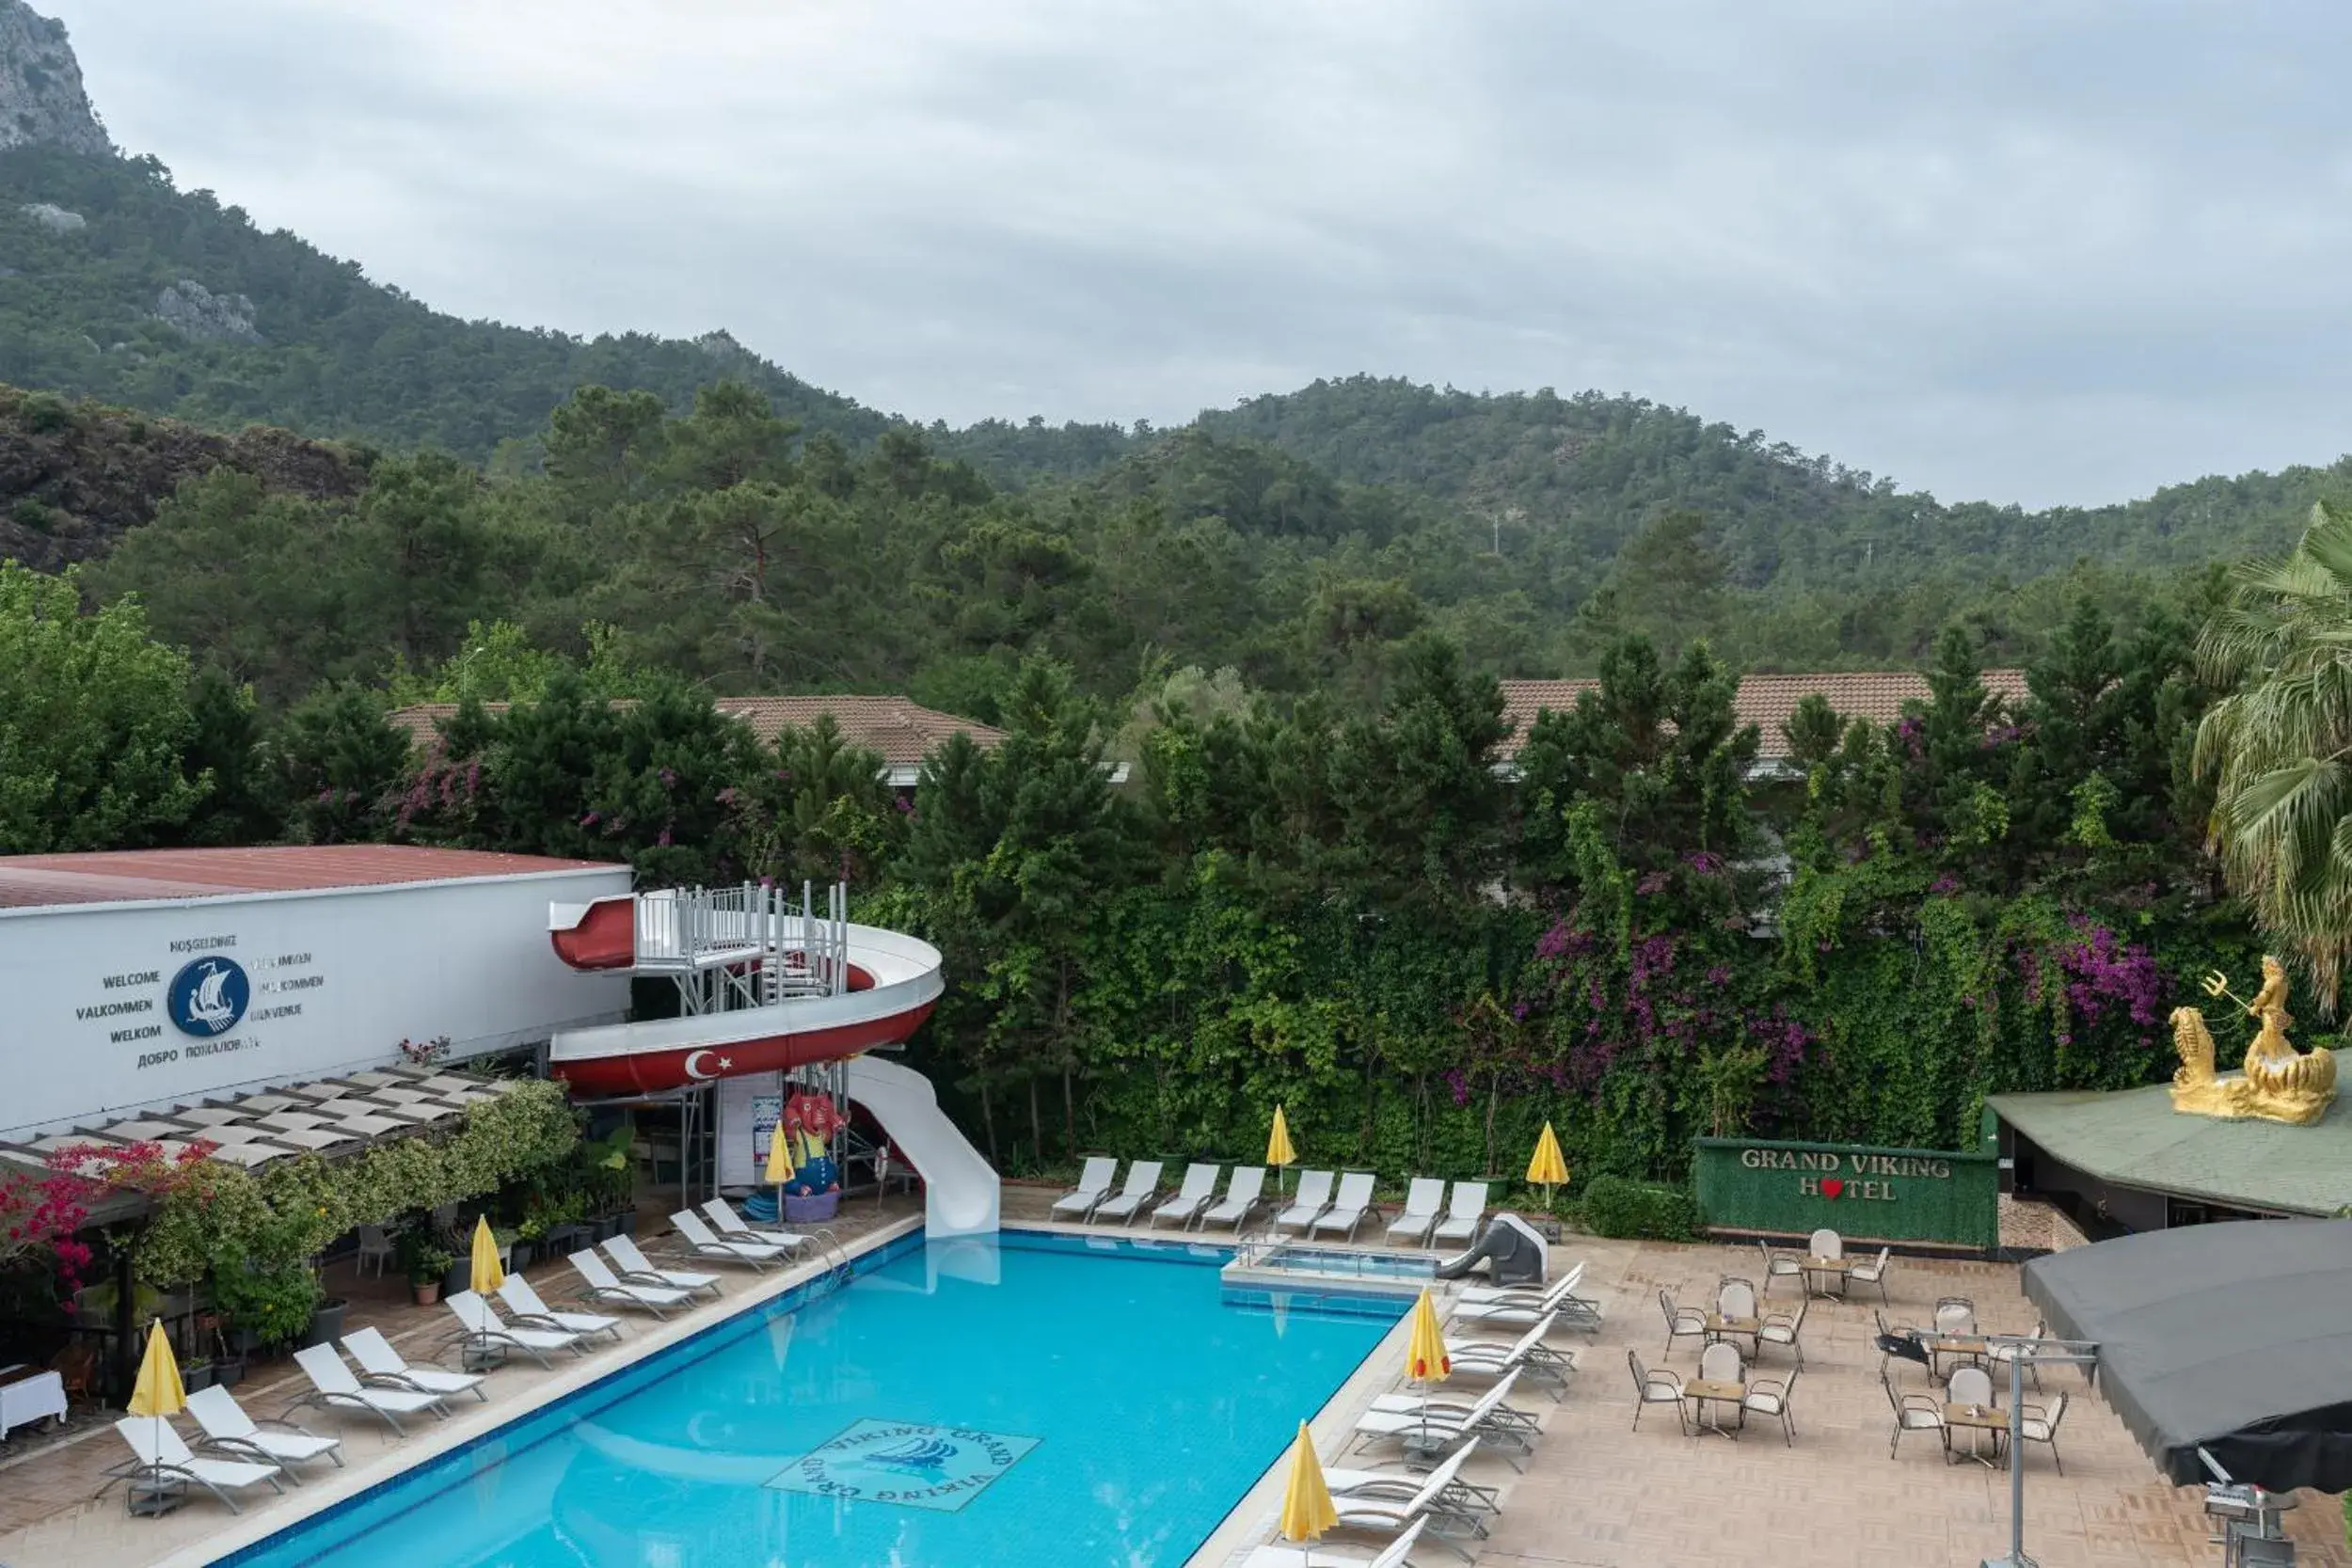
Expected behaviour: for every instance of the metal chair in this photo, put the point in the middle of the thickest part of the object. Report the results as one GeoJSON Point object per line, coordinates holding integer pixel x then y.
{"type": "Point", "coordinates": [1781, 1328]}
{"type": "Point", "coordinates": [1873, 1272]}
{"type": "Point", "coordinates": [1770, 1397]}
{"type": "Point", "coordinates": [375, 1247]}
{"type": "Point", "coordinates": [2003, 1355]}
{"type": "Point", "coordinates": [2036, 1424]}
{"type": "Point", "coordinates": [1780, 1263]}
{"type": "Point", "coordinates": [1955, 1316]}
{"type": "Point", "coordinates": [1914, 1412]}
{"type": "Point", "coordinates": [1682, 1322]}
{"type": "Point", "coordinates": [1662, 1386]}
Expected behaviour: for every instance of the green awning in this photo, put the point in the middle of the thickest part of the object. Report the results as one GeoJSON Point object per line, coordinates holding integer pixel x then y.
{"type": "Point", "coordinates": [2134, 1138]}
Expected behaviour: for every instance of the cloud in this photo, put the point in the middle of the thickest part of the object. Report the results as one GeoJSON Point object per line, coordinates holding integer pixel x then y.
{"type": "Point", "coordinates": [2025, 251]}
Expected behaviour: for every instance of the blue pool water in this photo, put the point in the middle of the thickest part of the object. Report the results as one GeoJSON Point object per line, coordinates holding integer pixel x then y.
{"type": "Point", "coordinates": [1100, 1402]}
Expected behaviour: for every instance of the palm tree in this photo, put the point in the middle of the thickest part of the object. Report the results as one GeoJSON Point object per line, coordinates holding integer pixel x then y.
{"type": "Point", "coordinates": [2279, 747]}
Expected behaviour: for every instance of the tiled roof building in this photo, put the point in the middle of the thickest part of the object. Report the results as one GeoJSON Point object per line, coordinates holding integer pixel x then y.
{"type": "Point", "coordinates": [1766, 701]}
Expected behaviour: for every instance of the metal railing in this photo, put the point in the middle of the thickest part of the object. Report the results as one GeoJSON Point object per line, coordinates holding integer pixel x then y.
{"type": "Point", "coordinates": [789, 949]}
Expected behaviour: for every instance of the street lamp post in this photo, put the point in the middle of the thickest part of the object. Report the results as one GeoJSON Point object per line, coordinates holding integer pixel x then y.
{"type": "Point", "coordinates": [2069, 1353]}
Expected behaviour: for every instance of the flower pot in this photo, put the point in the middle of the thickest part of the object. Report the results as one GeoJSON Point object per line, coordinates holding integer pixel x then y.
{"type": "Point", "coordinates": [243, 1341]}
{"type": "Point", "coordinates": [327, 1324]}
{"type": "Point", "coordinates": [229, 1372]}
{"type": "Point", "coordinates": [459, 1277]}
{"type": "Point", "coordinates": [193, 1378]}
{"type": "Point", "coordinates": [428, 1291]}
{"type": "Point", "coordinates": [518, 1256]}
{"type": "Point", "coordinates": [811, 1210]}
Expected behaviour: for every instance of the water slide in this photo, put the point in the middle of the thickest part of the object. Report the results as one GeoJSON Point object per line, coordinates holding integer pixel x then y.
{"type": "Point", "coordinates": [959, 1190]}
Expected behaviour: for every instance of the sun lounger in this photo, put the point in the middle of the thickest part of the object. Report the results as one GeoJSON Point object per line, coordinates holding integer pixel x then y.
{"type": "Point", "coordinates": [1559, 1290]}
{"type": "Point", "coordinates": [1433, 1422]}
{"type": "Point", "coordinates": [1395, 1515]}
{"type": "Point", "coordinates": [609, 1290]}
{"type": "Point", "coordinates": [1282, 1554]}
{"type": "Point", "coordinates": [1394, 1482]}
{"type": "Point", "coordinates": [161, 1458]}
{"type": "Point", "coordinates": [1143, 1186]}
{"type": "Point", "coordinates": [485, 1330]}
{"type": "Point", "coordinates": [382, 1367]}
{"type": "Point", "coordinates": [230, 1434]}
{"type": "Point", "coordinates": [1422, 1201]}
{"type": "Point", "coordinates": [638, 1270]}
{"type": "Point", "coordinates": [1243, 1191]}
{"type": "Point", "coordinates": [1515, 1308]}
{"type": "Point", "coordinates": [1199, 1186]}
{"type": "Point", "coordinates": [702, 1244]}
{"type": "Point", "coordinates": [1094, 1185]}
{"type": "Point", "coordinates": [732, 1226]}
{"type": "Point", "coordinates": [1463, 1214]}
{"type": "Point", "coordinates": [1348, 1210]}
{"type": "Point", "coordinates": [333, 1387]}
{"type": "Point", "coordinates": [1527, 1353]}
{"type": "Point", "coordinates": [1314, 1196]}
{"type": "Point", "coordinates": [531, 1312]}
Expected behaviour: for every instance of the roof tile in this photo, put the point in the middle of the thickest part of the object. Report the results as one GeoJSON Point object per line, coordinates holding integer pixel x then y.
{"type": "Point", "coordinates": [1766, 701]}
{"type": "Point", "coordinates": [900, 731]}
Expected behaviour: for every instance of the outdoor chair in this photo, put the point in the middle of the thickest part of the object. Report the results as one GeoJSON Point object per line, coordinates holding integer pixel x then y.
{"type": "Point", "coordinates": [1424, 1200]}
{"type": "Point", "coordinates": [531, 1312]}
{"type": "Point", "coordinates": [1780, 1265]}
{"type": "Point", "coordinates": [1436, 1422]}
{"type": "Point", "coordinates": [1245, 1190]}
{"type": "Point", "coordinates": [1955, 1317]}
{"type": "Point", "coordinates": [1663, 1386]}
{"type": "Point", "coordinates": [1781, 1328]}
{"type": "Point", "coordinates": [2039, 1424]}
{"type": "Point", "coordinates": [1970, 1385]}
{"type": "Point", "coordinates": [1511, 1306]}
{"type": "Point", "coordinates": [1770, 1397]}
{"type": "Point", "coordinates": [1682, 1322]}
{"type": "Point", "coordinates": [1903, 1345]}
{"type": "Point", "coordinates": [1720, 1363]}
{"type": "Point", "coordinates": [484, 1329]}
{"type": "Point", "coordinates": [734, 1227]}
{"type": "Point", "coordinates": [697, 1238]}
{"type": "Point", "coordinates": [1282, 1554]}
{"type": "Point", "coordinates": [231, 1433]}
{"type": "Point", "coordinates": [1527, 1353]}
{"type": "Point", "coordinates": [1827, 1244]}
{"type": "Point", "coordinates": [382, 1367]}
{"type": "Point", "coordinates": [637, 1269]}
{"type": "Point", "coordinates": [374, 1247]}
{"type": "Point", "coordinates": [159, 1456]}
{"type": "Point", "coordinates": [1143, 1186]}
{"type": "Point", "coordinates": [1463, 1214]}
{"type": "Point", "coordinates": [2022, 1355]}
{"type": "Point", "coordinates": [1873, 1272]}
{"type": "Point", "coordinates": [1734, 1298]}
{"type": "Point", "coordinates": [1314, 1196]}
{"type": "Point", "coordinates": [1348, 1210]}
{"type": "Point", "coordinates": [1914, 1412]}
{"type": "Point", "coordinates": [1394, 1516]}
{"type": "Point", "coordinates": [1465, 1498]}
{"type": "Point", "coordinates": [1199, 1186]}
{"type": "Point", "coordinates": [334, 1387]}
{"type": "Point", "coordinates": [1094, 1185]}
{"type": "Point", "coordinates": [600, 1285]}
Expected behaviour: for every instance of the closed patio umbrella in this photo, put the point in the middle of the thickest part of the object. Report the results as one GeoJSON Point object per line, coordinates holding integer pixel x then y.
{"type": "Point", "coordinates": [159, 1391]}
{"type": "Point", "coordinates": [1307, 1510]}
{"type": "Point", "coordinates": [1426, 1360]}
{"type": "Point", "coordinates": [1278, 1152]}
{"type": "Point", "coordinates": [488, 1273]}
{"type": "Point", "coordinates": [1548, 1169]}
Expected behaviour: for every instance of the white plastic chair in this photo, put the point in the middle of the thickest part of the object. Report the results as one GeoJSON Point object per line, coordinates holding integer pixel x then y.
{"type": "Point", "coordinates": [374, 1247]}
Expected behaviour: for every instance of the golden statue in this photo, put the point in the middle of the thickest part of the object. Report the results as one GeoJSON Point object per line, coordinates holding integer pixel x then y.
{"type": "Point", "coordinates": [2280, 1083]}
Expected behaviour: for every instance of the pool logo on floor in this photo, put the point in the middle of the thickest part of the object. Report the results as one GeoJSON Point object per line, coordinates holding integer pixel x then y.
{"type": "Point", "coordinates": [906, 1462]}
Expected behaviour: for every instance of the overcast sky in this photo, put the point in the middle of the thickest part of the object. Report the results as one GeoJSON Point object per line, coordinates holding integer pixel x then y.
{"type": "Point", "coordinates": [2034, 251]}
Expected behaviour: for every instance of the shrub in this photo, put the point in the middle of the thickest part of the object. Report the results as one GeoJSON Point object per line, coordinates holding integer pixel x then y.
{"type": "Point", "coordinates": [1640, 1210]}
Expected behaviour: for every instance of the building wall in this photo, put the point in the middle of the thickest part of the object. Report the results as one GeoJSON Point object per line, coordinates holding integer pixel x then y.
{"type": "Point", "coordinates": [1865, 1193]}
{"type": "Point", "coordinates": [112, 1008]}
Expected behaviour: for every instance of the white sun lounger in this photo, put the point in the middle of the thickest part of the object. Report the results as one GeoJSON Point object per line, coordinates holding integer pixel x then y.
{"type": "Point", "coordinates": [1094, 1185]}
{"type": "Point", "coordinates": [732, 1226]}
{"type": "Point", "coordinates": [1282, 1554]}
{"type": "Point", "coordinates": [699, 1241]}
{"type": "Point", "coordinates": [1423, 1199]}
{"type": "Point", "coordinates": [1314, 1196]}
{"type": "Point", "coordinates": [382, 1367]}
{"type": "Point", "coordinates": [1463, 1214]}
{"type": "Point", "coordinates": [333, 1387]}
{"type": "Point", "coordinates": [1516, 1307]}
{"type": "Point", "coordinates": [1465, 1498]}
{"type": "Point", "coordinates": [1527, 1353]}
{"type": "Point", "coordinates": [483, 1328]}
{"type": "Point", "coordinates": [638, 1270]}
{"type": "Point", "coordinates": [609, 1290]}
{"type": "Point", "coordinates": [231, 1433]}
{"type": "Point", "coordinates": [1481, 1295]}
{"type": "Point", "coordinates": [1243, 1191]}
{"type": "Point", "coordinates": [1193, 1196]}
{"type": "Point", "coordinates": [531, 1312]}
{"type": "Point", "coordinates": [161, 1456]}
{"type": "Point", "coordinates": [1348, 1210]}
{"type": "Point", "coordinates": [1143, 1186]}
{"type": "Point", "coordinates": [1401, 1417]}
{"type": "Point", "coordinates": [1397, 1515]}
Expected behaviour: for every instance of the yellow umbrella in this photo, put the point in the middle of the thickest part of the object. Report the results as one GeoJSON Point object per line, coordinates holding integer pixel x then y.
{"type": "Point", "coordinates": [1279, 1151]}
{"type": "Point", "coordinates": [1548, 1169]}
{"type": "Point", "coordinates": [1307, 1510]}
{"type": "Point", "coordinates": [780, 1167]}
{"type": "Point", "coordinates": [1426, 1360]}
{"type": "Point", "coordinates": [159, 1391]}
{"type": "Point", "coordinates": [487, 1275]}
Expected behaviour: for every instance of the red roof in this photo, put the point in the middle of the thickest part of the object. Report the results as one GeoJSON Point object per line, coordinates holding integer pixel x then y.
{"type": "Point", "coordinates": [1766, 701]}
{"type": "Point", "coordinates": [121, 875]}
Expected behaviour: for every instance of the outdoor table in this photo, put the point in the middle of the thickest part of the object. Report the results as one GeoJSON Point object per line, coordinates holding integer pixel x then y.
{"type": "Point", "coordinates": [27, 1393]}
{"type": "Point", "coordinates": [1960, 1347]}
{"type": "Point", "coordinates": [1975, 1420]}
{"type": "Point", "coordinates": [1833, 1266]}
{"type": "Point", "coordinates": [1701, 1393]}
{"type": "Point", "coordinates": [1719, 1328]}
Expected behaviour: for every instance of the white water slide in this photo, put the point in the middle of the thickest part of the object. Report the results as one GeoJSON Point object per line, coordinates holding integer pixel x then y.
{"type": "Point", "coordinates": [960, 1189]}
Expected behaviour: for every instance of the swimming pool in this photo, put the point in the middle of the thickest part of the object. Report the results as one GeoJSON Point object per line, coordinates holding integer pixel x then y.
{"type": "Point", "coordinates": [1099, 1403]}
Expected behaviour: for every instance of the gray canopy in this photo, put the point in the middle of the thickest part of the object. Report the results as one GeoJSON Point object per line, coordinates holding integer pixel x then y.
{"type": "Point", "coordinates": [2236, 1338]}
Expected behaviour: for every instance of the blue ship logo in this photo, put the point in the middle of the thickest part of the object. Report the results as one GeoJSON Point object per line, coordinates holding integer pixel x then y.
{"type": "Point", "coordinates": [208, 996]}
{"type": "Point", "coordinates": [908, 1463]}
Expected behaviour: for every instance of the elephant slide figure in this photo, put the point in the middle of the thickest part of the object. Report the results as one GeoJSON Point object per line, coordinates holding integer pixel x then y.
{"type": "Point", "coordinates": [1513, 1251]}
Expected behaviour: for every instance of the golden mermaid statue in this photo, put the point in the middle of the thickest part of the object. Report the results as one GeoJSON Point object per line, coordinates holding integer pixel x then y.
{"type": "Point", "coordinates": [2280, 1083]}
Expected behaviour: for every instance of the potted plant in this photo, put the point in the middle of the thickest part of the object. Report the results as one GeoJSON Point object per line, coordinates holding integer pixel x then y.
{"type": "Point", "coordinates": [271, 1303]}
{"type": "Point", "coordinates": [425, 1262]}
{"type": "Point", "coordinates": [196, 1372]}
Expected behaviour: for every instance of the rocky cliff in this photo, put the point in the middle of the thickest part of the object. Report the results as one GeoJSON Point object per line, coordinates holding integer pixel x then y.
{"type": "Point", "coordinates": [42, 99]}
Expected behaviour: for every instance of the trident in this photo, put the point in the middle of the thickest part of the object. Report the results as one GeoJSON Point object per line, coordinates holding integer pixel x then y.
{"type": "Point", "coordinates": [2218, 984]}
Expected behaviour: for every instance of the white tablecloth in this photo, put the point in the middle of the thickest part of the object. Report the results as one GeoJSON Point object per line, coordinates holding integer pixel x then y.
{"type": "Point", "coordinates": [23, 1403]}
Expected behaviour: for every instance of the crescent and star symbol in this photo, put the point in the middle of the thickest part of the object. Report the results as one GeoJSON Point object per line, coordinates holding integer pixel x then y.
{"type": "Point", "coordinates": [692, 1072]}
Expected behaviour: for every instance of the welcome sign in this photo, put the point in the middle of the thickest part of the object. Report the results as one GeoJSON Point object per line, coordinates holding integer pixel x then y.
{"type": "Point", "coordinates": [911, 1464]}
{"type": "Point", "coordinates": [1886, 1194]}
